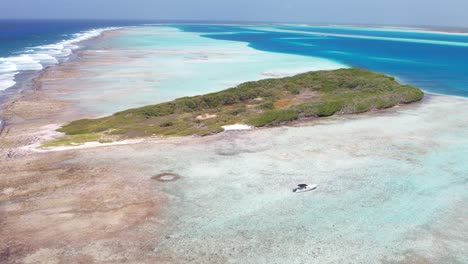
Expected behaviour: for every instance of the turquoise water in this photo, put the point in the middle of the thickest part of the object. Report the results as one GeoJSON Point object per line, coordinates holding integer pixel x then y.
{"type": "Point", "coordinates": [436, 62]}
{"type": "Point", "coordinates": [433, 61]}
{"type": "Point", "coordinates": [150, 64]}
{"type": "Point", "coordinates": [392, 186]}
{"type": "Point", "coordinates": [147, 65]}
{"type": "Point", "coordinates": [392, 189]}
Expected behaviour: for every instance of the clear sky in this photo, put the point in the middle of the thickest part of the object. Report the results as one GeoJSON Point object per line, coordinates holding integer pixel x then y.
{"type": "Point", "coordinates": [390, 12]}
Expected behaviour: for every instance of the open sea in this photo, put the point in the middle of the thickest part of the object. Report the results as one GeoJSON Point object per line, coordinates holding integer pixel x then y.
{"type": "Point", "coordinates": [433, 61]}
{"type": "Point", "coordinates": [436, 62]}
{"type": "Point", "coordinates": [31, 45]}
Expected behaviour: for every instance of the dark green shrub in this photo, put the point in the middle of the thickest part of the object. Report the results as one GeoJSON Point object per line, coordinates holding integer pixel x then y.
{"type": "Point", "coordinates": [266, 106]}
{"type": "Point", "coordinates": [237, 111]}
{"type": "Point", "coordinates": [361, 107]}
{"type": "Point", "coordinates": [294, 90]}
{"type": "Point", "coordinates": [166, 123]}
{"type": "Point", "coordinates": [329, 108]}
{"type": "Point", "coordinates": [382, 104]}
{"type": "Point", "coordinates": [212, 100]}
{"type": "Point", "coordinates": [412, 94]}
{"type": "Point", "coordinates": [274, 117]}
{"type": "Point", "coordinates": [307, 110]}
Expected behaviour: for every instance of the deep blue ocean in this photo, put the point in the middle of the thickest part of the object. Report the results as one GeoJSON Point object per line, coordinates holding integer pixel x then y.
{"type": "Point", "coordinates": [17, 35]}
{"type": "Point", "coordinates": [31, 45]}
{"type": "Point", "coordinates": [436, 62]}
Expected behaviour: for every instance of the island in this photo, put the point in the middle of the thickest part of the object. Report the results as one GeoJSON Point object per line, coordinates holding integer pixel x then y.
{"type": "Point", "coordinates": [268, 102]}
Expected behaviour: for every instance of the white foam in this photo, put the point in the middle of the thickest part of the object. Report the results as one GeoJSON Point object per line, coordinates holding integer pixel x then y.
{"type": "Point", "coordinates": [36, 58]}
{"type": "Point", "coordinates": [7, 80]}
{"type": "Point", "coordinates": [25, 63]}
{"type": "Point", "coordinates": [45, 58]}
{"type": "Point", "coordinates": [7, 66]}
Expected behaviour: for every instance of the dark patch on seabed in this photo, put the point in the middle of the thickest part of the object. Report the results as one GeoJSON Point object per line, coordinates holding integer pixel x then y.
{"type": "Point", "coordinates": [166, 177]}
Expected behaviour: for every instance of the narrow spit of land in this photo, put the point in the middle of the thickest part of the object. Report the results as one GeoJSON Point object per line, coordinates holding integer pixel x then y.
{"type": "Point", "coordinates": [268, 102]}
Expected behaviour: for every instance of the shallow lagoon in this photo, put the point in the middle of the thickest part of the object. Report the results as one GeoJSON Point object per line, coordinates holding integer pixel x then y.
{"type": "Point", "coordinates": [395, 192]}
{"type": "Point", "coordinates": [393, 185]}
{"type": "Point", "coordinates": [147, 65]}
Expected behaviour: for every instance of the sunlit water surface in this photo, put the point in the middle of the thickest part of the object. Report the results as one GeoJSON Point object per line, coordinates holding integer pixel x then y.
{"type": "Point", "coordinates": [392, 186]}
{"type": "Point", "coordinates": [147, 65]}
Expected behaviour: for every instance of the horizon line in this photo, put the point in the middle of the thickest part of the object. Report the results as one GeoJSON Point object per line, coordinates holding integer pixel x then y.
{"type": "Point", "coordinates": [214, 22]}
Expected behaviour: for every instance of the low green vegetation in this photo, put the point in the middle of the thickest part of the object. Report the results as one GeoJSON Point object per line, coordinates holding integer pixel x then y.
{"type": "Point", "coordinates": [261, 103]}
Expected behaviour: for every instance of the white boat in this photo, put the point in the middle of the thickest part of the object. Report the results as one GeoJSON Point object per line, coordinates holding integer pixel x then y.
{"type": "Point", "coordinates": [304, 188]}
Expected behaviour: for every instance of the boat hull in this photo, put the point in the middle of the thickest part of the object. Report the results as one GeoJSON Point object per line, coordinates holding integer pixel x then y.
{"type": "Point", "coordinates": [306, 189]}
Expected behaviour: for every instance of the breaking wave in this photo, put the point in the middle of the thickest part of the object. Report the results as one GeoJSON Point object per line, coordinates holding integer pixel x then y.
{"type": "Point", "coordinates": [36, 58]}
